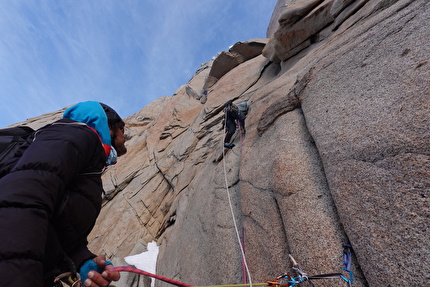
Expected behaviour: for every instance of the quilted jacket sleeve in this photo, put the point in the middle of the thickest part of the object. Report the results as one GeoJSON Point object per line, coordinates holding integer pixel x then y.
{"type": "Point", "coordinates": [29, 194]}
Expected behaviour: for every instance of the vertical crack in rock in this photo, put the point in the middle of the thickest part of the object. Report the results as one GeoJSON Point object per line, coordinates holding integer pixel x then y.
{"type": "Point", "coordinates": [135, 213]}
{"type": "Point", "coordinates": [358, 272]}
{"type": "Point", "coordinates": [162, 174]}
{"type": "Point", "coordinates": [300, 94]}
{"type": "Point", "coordinates": [282, 222]}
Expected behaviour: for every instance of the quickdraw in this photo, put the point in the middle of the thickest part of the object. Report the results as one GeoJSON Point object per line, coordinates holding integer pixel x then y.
{"type": "Point", "coordinates": [284, 280]}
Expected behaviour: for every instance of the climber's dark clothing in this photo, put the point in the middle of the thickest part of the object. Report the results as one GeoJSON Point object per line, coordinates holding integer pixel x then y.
{"type": "Point", "coordinates": [232, 117]}
{"type": "Point", "coordinates": [50, 200]}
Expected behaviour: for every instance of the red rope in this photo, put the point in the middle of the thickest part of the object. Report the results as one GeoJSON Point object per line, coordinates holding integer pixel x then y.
{"type": "Point", "coordinates": [141, 272]}
{"type": "Point", "coordinates": [243, 261]}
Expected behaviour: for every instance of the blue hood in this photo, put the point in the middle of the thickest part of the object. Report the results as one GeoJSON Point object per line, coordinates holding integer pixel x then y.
{"type": "Point", "coordinates": [92, 114]}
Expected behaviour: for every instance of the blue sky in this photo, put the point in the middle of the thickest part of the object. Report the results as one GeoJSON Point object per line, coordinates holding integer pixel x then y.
{"type": "Point", "coordinates": [123, 53]}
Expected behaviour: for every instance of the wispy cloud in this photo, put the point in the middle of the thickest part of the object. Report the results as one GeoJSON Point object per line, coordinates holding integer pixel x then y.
{"type": "Point", "coordinates": [124, 53]}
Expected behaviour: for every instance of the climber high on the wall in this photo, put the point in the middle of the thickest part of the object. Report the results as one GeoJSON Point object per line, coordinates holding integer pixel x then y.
{"type": "Point", "coordinates": [233, 117]}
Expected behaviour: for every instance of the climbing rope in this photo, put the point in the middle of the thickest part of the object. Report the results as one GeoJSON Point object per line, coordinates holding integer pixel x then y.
{"type": "Point", "coordinates": [141, 272]}
{"type": "Point", "coordinates": [284, 280]}
{"type": "Point", "coordinates": [232, 212]}
{"type": "Point", "coordinates": [171, 281]}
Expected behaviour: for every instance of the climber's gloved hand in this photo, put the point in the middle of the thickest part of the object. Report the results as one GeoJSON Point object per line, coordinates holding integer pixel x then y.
{"type": "Point", "coordinates": [95, 272]}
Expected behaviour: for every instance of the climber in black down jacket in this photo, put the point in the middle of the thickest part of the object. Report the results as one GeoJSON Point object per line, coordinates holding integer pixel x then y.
{"type": "Point", "coordinates": [232, 118]}
{"type": "Point", "coordinates": [50, 200]}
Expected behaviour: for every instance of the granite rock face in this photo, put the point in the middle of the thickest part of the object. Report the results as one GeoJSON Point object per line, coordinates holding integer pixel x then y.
{"type": "Point", "coordinates": [336, 150]}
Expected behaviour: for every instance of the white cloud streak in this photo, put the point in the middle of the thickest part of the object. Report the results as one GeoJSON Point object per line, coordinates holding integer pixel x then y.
{"type": "Point", "coordinates": [124, 53]}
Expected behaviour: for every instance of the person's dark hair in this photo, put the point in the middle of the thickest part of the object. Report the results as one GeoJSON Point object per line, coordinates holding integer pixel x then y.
{"type": "Point", "coordinates": [115, 123]}
{"type": "Point", "coordinates": [114, 120]}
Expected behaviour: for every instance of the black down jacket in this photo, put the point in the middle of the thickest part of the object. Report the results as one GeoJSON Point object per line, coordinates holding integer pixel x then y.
{"type": "Point", "coordinates": [49, 203]}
